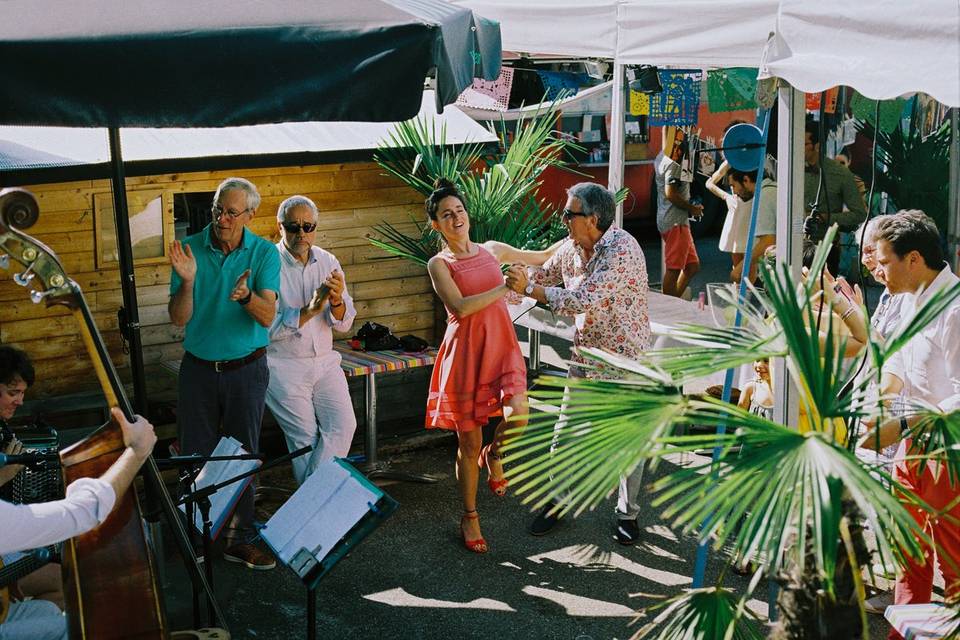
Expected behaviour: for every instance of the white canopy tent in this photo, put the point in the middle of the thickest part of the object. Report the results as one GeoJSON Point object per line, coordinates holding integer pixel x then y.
{"type": "Point", "coordinates": [678, 33]}
{"type": "Point", "coordinates": [893, 49]}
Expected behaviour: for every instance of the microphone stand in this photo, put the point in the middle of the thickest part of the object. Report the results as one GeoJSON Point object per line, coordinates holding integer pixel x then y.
{"type": "Point", "coordinates": [200, 498]}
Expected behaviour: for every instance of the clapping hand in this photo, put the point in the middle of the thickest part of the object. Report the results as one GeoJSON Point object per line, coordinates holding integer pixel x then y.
{"type": "Point", "coordinates": [240, 289]}
{"type": "Point", "coordinates": [319, 297]}
{"type": "Point", "coordinates": [182, 261]}
{"type": "Point", "coordinates": [336, 284]}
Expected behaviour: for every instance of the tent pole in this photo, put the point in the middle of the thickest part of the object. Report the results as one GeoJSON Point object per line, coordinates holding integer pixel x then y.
{"type": "Point", "coordinates": [953, 201]}
{"type": "Point", "coordinates": [617, 134]}
{"type": "Point", "coordinates": [130, 315]}
{"type": "Point", "coordinates": [790, 214]}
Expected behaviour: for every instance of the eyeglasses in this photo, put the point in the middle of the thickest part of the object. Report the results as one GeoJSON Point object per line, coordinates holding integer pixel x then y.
{"type": "Point", "coordinates": [218, 212]}
{"type": "Point", "coordinates": [294, 227]}
{"type": "Point", "coordinates": [569, 215]}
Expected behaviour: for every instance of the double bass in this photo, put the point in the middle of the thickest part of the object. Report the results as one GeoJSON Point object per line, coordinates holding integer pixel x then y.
{"type": "Point", "coordinates": [111, 585]}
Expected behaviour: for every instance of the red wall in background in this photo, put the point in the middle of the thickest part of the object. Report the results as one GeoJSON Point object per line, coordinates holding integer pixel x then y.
{"type": "Point", "coordinates": [637, 177]}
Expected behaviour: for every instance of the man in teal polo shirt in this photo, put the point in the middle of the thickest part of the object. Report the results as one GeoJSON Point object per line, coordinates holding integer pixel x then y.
{"type": "Point", "coordinates": [223, 289]}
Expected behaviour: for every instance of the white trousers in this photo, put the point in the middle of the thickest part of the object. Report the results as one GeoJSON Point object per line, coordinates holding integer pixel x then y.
{"type": "Point", "coordinates": [34, 620]}
{"type": "Point", "coordinates": [310, 399]}
{"type": "Point", "coordinates": [628, 506]}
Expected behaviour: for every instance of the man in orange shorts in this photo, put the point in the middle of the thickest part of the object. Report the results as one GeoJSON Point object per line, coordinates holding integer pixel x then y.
{"type": "Point", "coordinates": [674, 210]}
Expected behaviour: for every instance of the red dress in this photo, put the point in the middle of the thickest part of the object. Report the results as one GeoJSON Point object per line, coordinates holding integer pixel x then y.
{"type": "Point", "coordinates": [479, 363]}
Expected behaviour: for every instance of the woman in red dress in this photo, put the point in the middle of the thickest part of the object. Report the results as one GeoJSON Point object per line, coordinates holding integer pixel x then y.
{"type": "Point", "coordinates": [479, 371]}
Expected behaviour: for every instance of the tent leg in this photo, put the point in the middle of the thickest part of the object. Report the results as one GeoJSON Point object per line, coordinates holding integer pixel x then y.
{"type": "Point", "coordinates": [615, 167]}
{"type": "Point", "coordinates": [130, 323]}
{"type": "Point", "coordinates": [953, 201]}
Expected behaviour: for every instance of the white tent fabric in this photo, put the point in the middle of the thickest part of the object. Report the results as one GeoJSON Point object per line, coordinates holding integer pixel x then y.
{"type": "Point", "coordinates": [884, 50]}
{"type": "Point", "coordinates": [694, 33]}
{"type": "Point", "coordinates": [575, 28]}
{"type": "Point", "coordinates": [708, 33]}
{"type": "Point", "coordinates": [84, 146]}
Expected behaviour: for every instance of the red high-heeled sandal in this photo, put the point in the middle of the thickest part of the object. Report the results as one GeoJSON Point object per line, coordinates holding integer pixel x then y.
{"type": "Point", "coordinates": [479, 545]}
{"type": "Point", "coordinates": [498, 487]}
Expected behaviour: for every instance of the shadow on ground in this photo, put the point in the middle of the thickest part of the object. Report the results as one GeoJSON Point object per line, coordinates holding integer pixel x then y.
{"type": "Point", "coordinates": [412, 578]}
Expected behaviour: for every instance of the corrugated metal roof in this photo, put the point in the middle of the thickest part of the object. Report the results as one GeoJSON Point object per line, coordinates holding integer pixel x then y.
{"type": "Point", "coordinates": [38, 147]}
{"type": "Point", "coordinates": [15, 156]}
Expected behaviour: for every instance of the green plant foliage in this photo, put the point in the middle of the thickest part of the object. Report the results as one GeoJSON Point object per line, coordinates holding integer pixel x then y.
{"type": "Point", "coordinates": [499, 188]}
{"type": "Point", "coordinates": [774, 494]}
{"type": "Point", "coordinates": [916, 171]}
{"type": "Point", "coordinates": [713, 613]}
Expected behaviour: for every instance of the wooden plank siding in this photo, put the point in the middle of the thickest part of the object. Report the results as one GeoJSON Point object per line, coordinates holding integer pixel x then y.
{"type": "Point", "coordinates": [351, 196]}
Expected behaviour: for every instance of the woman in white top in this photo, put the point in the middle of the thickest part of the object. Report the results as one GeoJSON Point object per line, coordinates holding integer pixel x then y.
{"type": "Point", "coordinates": [733, 237]}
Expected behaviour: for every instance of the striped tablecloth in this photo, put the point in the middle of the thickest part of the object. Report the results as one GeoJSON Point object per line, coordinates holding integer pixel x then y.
{"type": "Point", "coordinates": [361, 363]}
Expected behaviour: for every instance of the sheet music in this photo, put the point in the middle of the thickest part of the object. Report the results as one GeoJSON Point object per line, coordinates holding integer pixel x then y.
{"type": "Point", "coordinates": [320, 513]}
{"type": "Point", "coordinates": [222, 502]}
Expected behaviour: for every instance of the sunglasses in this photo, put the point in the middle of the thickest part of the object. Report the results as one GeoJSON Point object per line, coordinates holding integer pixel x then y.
{"type": "Point", "coordinates": [568, 214]}
{"type": "Point", "coordinates": [294, 227]}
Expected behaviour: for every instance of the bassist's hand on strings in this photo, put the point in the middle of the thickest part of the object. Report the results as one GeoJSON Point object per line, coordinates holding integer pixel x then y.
{"type": "Point", "coordinates": [137, 435]}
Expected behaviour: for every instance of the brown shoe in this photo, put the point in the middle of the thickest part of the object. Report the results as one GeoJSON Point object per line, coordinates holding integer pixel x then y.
{"type": "Point", "coordinates": [249, 555]}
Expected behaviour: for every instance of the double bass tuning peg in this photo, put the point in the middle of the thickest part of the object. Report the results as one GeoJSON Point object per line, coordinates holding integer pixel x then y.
{"type": "Point", "coordinates": [23, 279]}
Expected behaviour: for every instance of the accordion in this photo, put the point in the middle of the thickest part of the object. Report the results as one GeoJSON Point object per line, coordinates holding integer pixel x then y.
{"type": "Point", "coordinates": [42, 482]}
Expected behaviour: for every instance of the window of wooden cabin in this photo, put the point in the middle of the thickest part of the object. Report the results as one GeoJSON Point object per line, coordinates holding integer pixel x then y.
{"type": "Point", "coordinates": [151, 226]}
{"type": "Point", "coordinates": [191, 212]}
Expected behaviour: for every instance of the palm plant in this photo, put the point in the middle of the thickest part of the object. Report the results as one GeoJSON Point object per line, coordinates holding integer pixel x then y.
{"type": "Point", "coordinates": [915, 169]}
{"type": "Point", "coordinates": [788, 498]}
{"type": "Point", "coordinates": [499, 188]}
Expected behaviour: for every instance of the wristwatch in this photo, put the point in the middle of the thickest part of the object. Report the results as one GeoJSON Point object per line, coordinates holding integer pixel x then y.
{"type": "Point", "coordinates": [246, 300]}
{"type": "Point", "coordinates": [528, 289]}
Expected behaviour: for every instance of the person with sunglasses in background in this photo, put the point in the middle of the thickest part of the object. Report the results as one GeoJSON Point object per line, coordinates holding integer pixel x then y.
{"type": "Point", "coordinates": [223, 290]}
{"type": "Point", "coordinates": [308, 393]}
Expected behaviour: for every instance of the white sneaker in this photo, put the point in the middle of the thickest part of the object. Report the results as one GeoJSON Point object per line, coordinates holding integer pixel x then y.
{"type": "Point", "coordinates": [878, 604]}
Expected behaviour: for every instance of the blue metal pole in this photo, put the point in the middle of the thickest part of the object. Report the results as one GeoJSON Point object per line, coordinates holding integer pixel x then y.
{"type": "Point", "coordinates": [703, 550]}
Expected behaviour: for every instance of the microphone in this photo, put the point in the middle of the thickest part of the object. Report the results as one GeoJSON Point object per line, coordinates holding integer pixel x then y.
{"type": "Point", "coordinates": [29, 459]}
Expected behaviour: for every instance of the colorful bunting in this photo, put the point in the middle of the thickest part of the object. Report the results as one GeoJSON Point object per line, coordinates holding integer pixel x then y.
{"type": "Point", "coordinates": [557, 82]}
{"type": "Point", "coordinates": [489, 94]}
{"type": "Point", "coordinates": [731, 89]}
{"type": "Point", "coordinates": [813, 100]}
{"type": "Point", "coordinates": [891, 111]}
{"type": "Point", "coordinates": [639, 103]}
{"type": "Point", "coordinates": [679, 102]}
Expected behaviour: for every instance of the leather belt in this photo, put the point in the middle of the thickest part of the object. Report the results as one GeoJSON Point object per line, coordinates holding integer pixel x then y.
{"type": "Point", "coordinates": [228, 365]}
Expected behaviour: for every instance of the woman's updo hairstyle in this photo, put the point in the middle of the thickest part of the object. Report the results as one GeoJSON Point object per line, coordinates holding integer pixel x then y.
{"type": "Point", "coordinates": [442, 188]}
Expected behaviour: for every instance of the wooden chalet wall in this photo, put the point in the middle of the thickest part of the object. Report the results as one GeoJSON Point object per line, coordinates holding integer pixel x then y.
{"type": "Point", "coordinates": [352, 197]}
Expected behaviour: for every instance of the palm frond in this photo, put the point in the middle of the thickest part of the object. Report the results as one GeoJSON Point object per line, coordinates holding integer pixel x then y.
{"type": "Point", "coordinates": [419, 250]}
{"type": "Point", "coordinates": [711, 613]}
{"type": "Point", "coordinates": [499, 190]}
{"type": "Point", "coordinates": [605, 432]}
{"type": "Point", "coordinates": [936, 435]}
{"type": "Point", "coordinates": [779, 489]}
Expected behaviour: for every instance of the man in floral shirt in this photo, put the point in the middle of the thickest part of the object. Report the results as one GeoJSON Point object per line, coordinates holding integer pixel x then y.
{"type": "Point", "coordinates": [604, 277]}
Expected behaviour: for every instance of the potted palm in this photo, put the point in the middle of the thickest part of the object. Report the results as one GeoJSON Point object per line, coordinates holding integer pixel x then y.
{"type": "Point", "coordinates": [499, 187]}
{"type": "Point", "coordinates": [790, 500]}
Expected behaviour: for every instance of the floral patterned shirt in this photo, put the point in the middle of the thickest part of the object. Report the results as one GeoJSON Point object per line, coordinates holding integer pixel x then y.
{"type": "Point", "coordinates": [607, 294]}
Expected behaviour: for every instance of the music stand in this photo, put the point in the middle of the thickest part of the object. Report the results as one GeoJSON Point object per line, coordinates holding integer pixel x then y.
{"type": "Point", "coordinates": [200, 497]}
{"type": "Point", "coordinates": [331, 513]}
